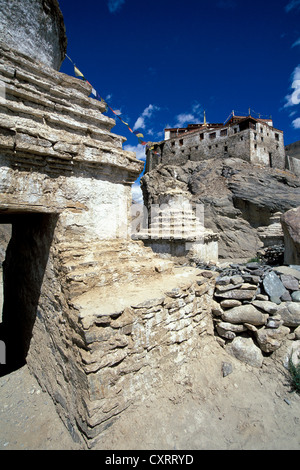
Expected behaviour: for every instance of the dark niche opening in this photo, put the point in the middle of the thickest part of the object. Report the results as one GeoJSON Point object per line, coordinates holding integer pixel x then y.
{"type": "Point", "coordinates": [23, 271]}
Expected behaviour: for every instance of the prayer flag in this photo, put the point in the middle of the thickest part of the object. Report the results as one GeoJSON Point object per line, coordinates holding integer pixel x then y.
{"type": "Point", "coordinates": [77, 72]}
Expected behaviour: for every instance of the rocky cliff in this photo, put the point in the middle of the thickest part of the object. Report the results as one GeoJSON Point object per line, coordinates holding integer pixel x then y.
{"type": "Point", "coordinates": [239, 198]}
{"type": "Point", "coordinates": [292, 152]}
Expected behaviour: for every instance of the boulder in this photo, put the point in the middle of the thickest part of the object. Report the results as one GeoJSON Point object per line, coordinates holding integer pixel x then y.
{"type": "Point", "coordinates": [289, 282]}
{"type": "Point", "coordinates": [288, 270]}
{"type": "Point", "coordinates": [245, 314]}
{"type": "Point", "coordinates": [229, 330]}
{"type": "Point", "coordinates": [270, 339]}
{"type": "Point", "coordinates": [230, 303]}
{"type": "Point", "coordinates": [246, 351]}
{"type": "Point", "coordinates": [238, 294]}
{"type": "Point", "coordinates": [273, 285]}
{"type": "Point", "coordinates": [293, 354]}
{"type": "Point", "coordinates": [295, 296]}
{"type": "Point", "coordinates": [266, 306]}
{"type": "Point", "coordinates": [290, 313]}
{"type": "Point", "coordinates": [290, 222]}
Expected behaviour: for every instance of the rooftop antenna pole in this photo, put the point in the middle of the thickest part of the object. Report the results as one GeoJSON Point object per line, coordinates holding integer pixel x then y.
{"type": "Point", "coordinates": [204, 122]}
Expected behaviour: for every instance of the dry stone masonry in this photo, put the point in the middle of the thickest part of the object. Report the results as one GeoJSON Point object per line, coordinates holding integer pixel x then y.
{"type": "Point", "coordinates": [256, 309]}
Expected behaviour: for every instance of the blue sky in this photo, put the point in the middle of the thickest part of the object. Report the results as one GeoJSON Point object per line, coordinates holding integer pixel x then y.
{"type": "Point", "coordinates": [163, 62]}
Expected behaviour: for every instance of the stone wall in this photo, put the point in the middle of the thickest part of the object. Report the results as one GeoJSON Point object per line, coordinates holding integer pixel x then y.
{"type": "Point", "coordinates": [35, 28]}
{"type": "Point", "coordinates": [130, 347]}
{"type": "Point", "coordinates": [257, 311]}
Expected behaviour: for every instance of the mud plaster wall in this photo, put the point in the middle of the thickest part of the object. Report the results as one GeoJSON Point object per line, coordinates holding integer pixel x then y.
{"type": "Point", "coordinates": [35, 28]}
{"type": "Point", "coordinates": [66, 189]}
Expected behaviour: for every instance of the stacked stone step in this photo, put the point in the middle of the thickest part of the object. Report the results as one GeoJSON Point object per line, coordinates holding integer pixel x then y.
{"type": "Point", "coordinates": [107, 262]}
{"type": "Point", "coordinates": [273, 233]}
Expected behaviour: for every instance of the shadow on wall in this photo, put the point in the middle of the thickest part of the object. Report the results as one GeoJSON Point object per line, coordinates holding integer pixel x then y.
{"type": "Point", "coordinates": [23, 273]}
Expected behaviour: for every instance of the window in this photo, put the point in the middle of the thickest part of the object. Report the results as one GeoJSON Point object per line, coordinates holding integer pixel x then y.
{"type": "Point", "coordinates": [277, 137]}
{"type": "Point", "coordinates": [255, 136]}
{"type": "Point", "coordinates": [261, 130]}
{"type": "Point", "coordinates": [181, 142]}
{"type": "Point", "coordinates": [270, 159]}
{"type": "Point", "coordinates": [212, 135]}
{"type": "Point", "coordinates": [225, 148]}
{"type": "Point", "coordinates": [235, 130]}
{"type": "Point", "coordinates": [262, 139]}
{"type": "Point", "coordinates": [255, 146]}
{"type": "Point", "coordinates": [201, 136]}
{"type": "Point", "coordinates": [223, 132]}
{"type": "Point", "coordinates": [242, 137]}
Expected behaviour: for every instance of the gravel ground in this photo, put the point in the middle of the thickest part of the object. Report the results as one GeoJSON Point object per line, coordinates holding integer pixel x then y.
{"type": "Point", "coordinates": [249, 409]}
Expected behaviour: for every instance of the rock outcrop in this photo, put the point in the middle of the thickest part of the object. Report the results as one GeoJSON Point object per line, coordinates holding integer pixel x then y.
{"type": "Point", "coordinates": [291, 228]}
{"type": "Point", "coordinates": [239, 198]}
{"type": "Point", "coordinates": [293, 157]}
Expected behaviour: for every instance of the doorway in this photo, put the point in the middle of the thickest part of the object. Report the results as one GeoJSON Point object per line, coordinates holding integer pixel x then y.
{"type": "Point", "coordinates": [24, 268]}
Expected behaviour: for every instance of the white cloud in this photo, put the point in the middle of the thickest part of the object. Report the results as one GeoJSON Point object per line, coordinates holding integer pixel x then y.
{"type": "Point", "coordinates": [292, 4]}
{"type": "Point", "coordinates": [140, 123]}
{"type": "Point", "coordinates": [147, 113]}
{"type": "Point", "coordinates": [296, 43]}
{"type": "Point", "coordinates": [183, 119]}
{"type": "Point", "coordinates": [294, 98]}
{"type": "Point", "coordinates": [137, 195]}
{"type": "Point", "coordinates": [296, 123]}
{"type": "Point", "coordinates": [139, 150]}
{"type": "Point", "coordinates": [190, 117]}
{"type": "Point", "coordinates": [115, 5]}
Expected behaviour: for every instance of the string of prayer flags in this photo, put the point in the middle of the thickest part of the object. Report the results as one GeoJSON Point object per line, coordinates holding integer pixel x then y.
{"type": "Point", "coordinates": [117, 113]}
